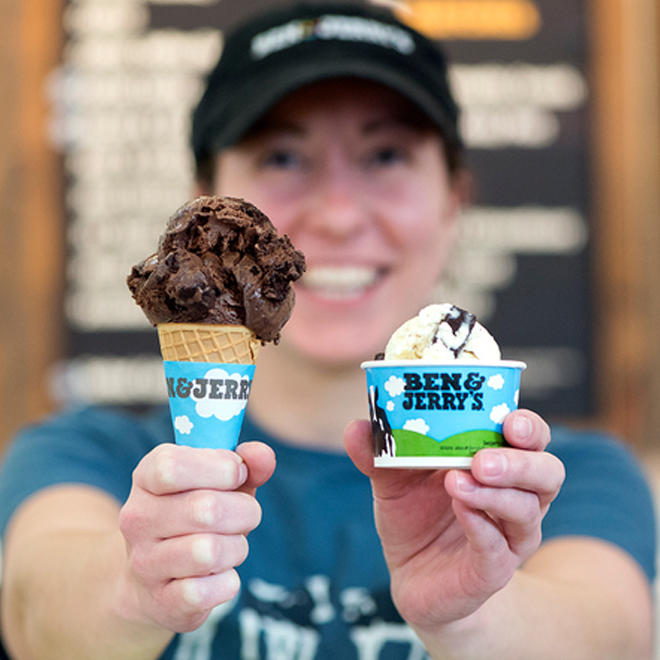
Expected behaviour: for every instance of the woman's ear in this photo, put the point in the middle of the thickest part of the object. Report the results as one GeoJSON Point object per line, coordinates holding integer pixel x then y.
{"type": "Point", "coordinates": [460, 195]}
{"type": "Point", "coordinates": [462, 183]}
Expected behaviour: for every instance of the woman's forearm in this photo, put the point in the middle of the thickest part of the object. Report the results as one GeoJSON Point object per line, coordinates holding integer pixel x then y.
{"type": "Point", "coordinates": [578, 598]}
{"type": "Point", "coordinates": [65, 594]}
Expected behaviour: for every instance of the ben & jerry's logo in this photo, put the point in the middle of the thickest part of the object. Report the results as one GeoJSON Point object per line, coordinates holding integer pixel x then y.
{"type": "Point", "coordinates": [211, 388]}
{"type": "Point", "coordinates": [443, 391]}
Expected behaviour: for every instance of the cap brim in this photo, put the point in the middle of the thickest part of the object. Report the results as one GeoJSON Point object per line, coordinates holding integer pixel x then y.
{"type": "Point", "coordinates": [277, 86]}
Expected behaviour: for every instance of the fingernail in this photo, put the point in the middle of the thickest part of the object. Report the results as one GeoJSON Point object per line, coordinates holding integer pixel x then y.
{"type": "Point", "coordinates": [242, 473]}
{"type": "Point", "coordinates": [522, 427]}
{"type": "Point", "coordinates": [493, 464]}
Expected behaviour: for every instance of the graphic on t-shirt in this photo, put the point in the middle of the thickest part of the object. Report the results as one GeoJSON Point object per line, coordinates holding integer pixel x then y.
{"type": "Point", "coordinates": [274, 622]}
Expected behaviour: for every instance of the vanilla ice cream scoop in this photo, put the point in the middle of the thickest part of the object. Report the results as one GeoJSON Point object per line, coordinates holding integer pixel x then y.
{"type": "Point", "coordinates": [442, 332]}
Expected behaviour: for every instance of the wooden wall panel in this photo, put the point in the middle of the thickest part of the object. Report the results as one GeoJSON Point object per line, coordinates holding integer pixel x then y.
{"type": "Point", "coordinates": [9, 202]}
{"type": "Point", "coordinates": [627, 176]}
{"type": "Point", "coordinates": [30, 238]}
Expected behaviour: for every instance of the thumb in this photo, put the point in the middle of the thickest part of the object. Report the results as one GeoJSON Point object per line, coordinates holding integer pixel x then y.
{"type": "Point", "coordinates": [260, 461]}
{"type": "Point", "coordinates": [359, 445]}
{"type": "Point", "coordinates": [388, 483]}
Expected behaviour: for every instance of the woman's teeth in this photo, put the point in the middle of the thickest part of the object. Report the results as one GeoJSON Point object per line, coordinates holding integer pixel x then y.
{"type": "Point", "coordinates": [340, 281]}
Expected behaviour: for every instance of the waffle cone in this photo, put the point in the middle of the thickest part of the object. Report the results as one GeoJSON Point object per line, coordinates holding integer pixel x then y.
{"type": "Point", "coordinates": [200, 342]}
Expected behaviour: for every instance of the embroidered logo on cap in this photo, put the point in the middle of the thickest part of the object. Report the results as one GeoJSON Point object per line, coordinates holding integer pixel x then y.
{"type": "Point", "coordinates": [343, 28]}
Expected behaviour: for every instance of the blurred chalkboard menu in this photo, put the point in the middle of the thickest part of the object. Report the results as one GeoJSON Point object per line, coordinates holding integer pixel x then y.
{"type": "Point", "coordinates": [129, 75]}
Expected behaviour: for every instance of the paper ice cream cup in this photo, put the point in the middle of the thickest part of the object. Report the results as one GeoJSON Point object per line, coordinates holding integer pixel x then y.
{"type": "Point", "coordinates": [207, 401]}
{"type": "Point", "coordinates": [431, 415]}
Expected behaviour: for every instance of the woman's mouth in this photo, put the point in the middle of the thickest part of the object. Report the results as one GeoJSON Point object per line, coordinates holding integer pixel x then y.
{"type": "Point", "coordinates": [341, 282]}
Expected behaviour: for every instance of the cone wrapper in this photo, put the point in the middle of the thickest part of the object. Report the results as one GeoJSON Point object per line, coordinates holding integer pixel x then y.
{"type": "Point", "coordinates": [208, 371]}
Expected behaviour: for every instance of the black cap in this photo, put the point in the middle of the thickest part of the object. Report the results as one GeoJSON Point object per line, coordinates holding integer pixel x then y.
{"type": "Point", "coordinates": [271, 55]}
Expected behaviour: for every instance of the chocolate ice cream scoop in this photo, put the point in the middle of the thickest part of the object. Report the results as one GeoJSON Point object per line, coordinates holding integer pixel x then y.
{"type": "Point", "coordinates": [219, 261]}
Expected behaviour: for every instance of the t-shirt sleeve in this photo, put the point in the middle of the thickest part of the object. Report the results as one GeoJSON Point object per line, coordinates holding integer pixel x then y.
{"type": "Point", "coordinates": [605, 495]}
{"type": "Point", "coordinates": [92, 446]}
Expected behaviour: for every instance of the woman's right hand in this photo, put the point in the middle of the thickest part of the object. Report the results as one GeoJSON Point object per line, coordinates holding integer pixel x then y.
{"type": "Point", "coordinates": [185, 523]}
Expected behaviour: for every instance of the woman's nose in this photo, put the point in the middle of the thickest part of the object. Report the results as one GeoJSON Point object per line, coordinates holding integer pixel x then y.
{"type": "Point", "coordinates": [339, 205]}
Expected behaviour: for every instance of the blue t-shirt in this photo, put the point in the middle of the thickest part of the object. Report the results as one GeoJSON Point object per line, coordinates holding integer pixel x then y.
{"type": "Point", "coordinates": [315, 584]}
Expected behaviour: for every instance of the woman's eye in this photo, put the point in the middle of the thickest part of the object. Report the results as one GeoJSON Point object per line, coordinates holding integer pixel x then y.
{"type": "Point", "coordinates": [386, 156]}
{"type": "Point", "coordinates": [281, 159]}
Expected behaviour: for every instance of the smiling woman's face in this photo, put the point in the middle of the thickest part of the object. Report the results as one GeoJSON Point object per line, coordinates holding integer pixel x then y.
{"type": "Point", "coordinates": [359, 182]}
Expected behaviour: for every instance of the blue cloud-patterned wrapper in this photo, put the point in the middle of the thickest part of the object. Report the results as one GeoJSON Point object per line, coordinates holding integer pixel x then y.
{"type": "Point", "coordinates": [426, 415]}
{"type": "Point", "coordinates": [208, 401]}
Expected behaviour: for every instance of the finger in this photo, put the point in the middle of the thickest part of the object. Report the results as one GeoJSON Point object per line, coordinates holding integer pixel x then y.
{"type": "Point", "coordinates": [517, 512]}
{"type": "Point", "coordinates": [194, 555]}
{"type": "Point", "coordinates": [358, 444]}
{"type": "Point", "coordinates": [539, 472]}
{"type": "Point", "coordinates": [173, 468]}
{"type": "Point", "coordinates": [493, 563]}
{"type": "Point", "coordinates": [387, 483]}
{"type": "Point", "coordinates": [483, 535]}
{"type": "Point", "coordinates": [197, 511]}
{"type": "Point", "coordinates": [190, 600]}
{"type": "Point", "coordinates": [260, 460]}
{"type": "Point", "coordinates": [390, 486]}
{"type": "Point", "coordinates": [525, 429]}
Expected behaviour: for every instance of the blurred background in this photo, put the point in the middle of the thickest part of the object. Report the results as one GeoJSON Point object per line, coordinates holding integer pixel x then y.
{"type": "Point", "coordinates": [559, 254]}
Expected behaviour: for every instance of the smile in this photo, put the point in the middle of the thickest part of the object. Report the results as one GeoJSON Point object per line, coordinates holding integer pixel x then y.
{"type": "Point", "coordinates": [341, 282]}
